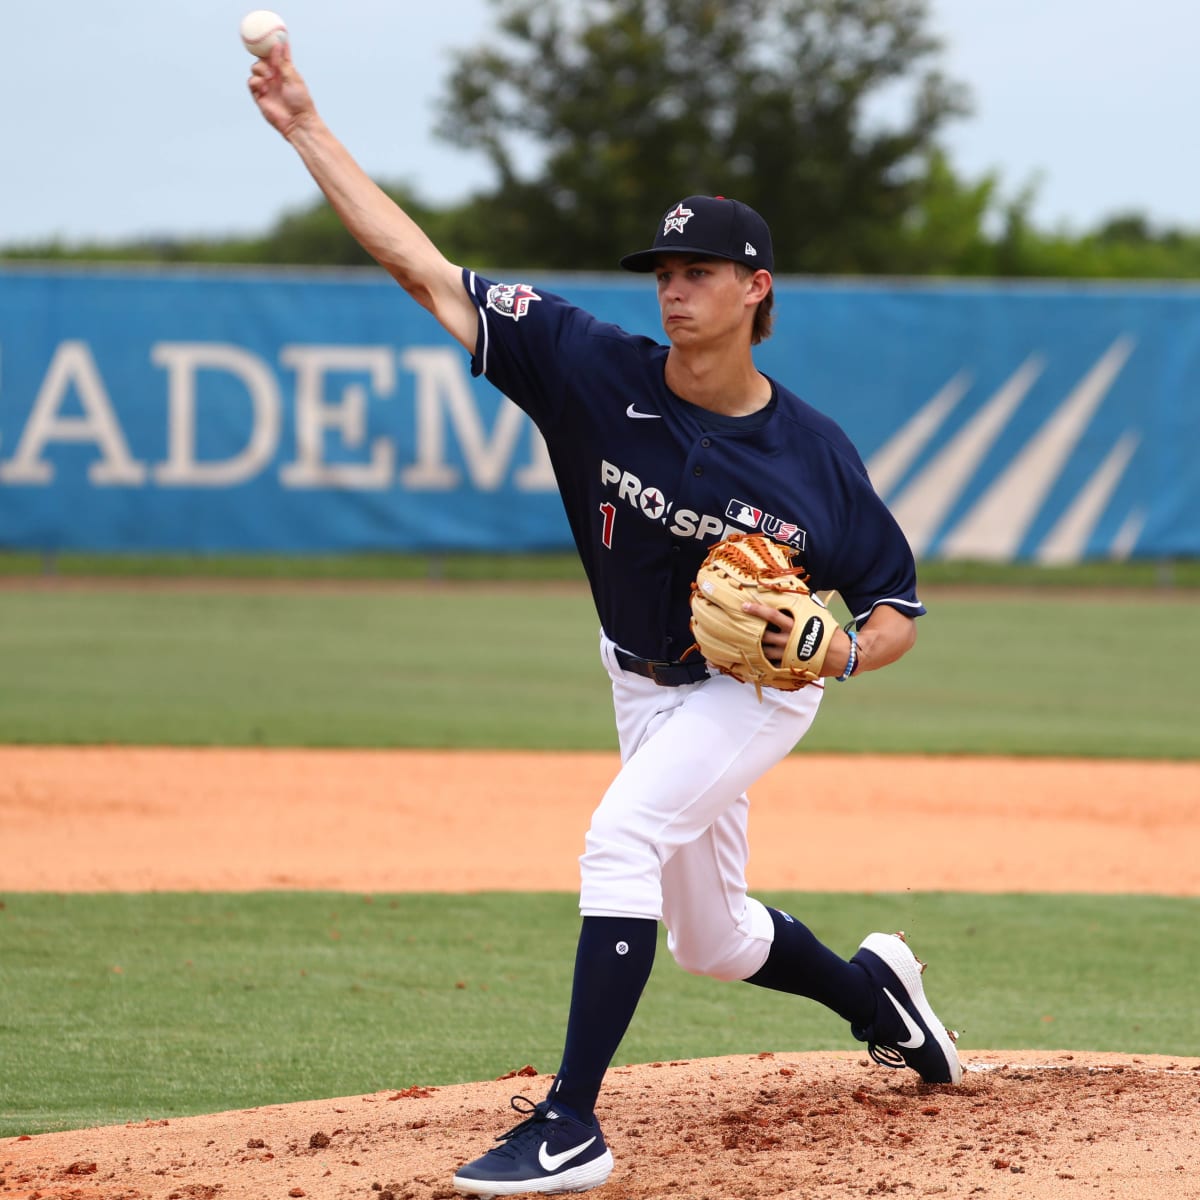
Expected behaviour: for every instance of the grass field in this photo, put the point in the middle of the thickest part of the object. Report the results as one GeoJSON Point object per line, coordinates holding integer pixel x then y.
{"type": "Point", "coordinates": [1146, 575]}
{"type": "Point", "coordinates": [1025, 673]}
{"type": "Point", "coordinates": [129, 1007]}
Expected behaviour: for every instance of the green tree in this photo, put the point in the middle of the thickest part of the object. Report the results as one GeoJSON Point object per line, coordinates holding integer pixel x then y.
{"type": "Point", "coordinates": [311, 236]}
{"type": "Point", "coordinates": [944, 232]}
{"type": "Point", "coordinates": [630, 104]}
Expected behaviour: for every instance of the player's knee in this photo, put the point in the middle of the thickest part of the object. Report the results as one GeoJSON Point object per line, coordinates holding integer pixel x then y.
{"type": "Point", "coordinates": [619, 876]}
{"type": "Point", "coordinates": [733, 957]}
{"type": "Point", "coordinates": [613, 852]}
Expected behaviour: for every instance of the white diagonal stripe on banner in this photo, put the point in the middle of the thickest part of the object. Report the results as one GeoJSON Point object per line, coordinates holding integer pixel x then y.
{"type": "Point", "coordinates": [995, 526]}
{"type": "Point", "coordinates": [1068, 540]}
{"type": "Point", "coordinates": [923, 505]}
{"type": "Point", "coordinates": [888, 464]}
{"type": "Point", "coordinates": [1127, 536]}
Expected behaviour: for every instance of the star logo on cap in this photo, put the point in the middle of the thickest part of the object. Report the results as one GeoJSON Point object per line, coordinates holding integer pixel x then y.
{"type": "Point", "coordinates": [677, 218]}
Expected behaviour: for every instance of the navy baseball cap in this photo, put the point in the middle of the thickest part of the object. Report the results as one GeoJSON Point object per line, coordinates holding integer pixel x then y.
{"type": "Point", "coordinates": [709, 225]}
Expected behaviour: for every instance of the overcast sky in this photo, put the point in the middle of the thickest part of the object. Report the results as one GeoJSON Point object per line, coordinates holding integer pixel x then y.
{"type": "Point", "coordinates": [123, 118]}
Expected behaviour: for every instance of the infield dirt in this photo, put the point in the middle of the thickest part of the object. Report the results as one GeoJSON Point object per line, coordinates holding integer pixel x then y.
{"type": "Point", "coordinates": [801, 1127]}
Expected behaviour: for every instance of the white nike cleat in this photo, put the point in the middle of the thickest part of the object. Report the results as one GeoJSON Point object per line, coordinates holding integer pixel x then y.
{"type": "Point", "coordinates": [905, 1031]}
{"type": "Point", "coordinates": [547, 1152]}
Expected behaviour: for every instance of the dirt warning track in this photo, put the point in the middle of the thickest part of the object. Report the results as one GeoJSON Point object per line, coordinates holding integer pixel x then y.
{"type": "Point", "coordinates": [128, 819]}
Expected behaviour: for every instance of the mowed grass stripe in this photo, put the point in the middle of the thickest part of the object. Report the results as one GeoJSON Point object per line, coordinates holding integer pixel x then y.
{"type": "Point", "coordinates": [1030, 674]}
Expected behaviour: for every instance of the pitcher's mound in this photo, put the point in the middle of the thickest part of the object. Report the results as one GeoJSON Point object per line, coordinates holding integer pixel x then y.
{"type": "Point", "coordinates": [801, 1126]}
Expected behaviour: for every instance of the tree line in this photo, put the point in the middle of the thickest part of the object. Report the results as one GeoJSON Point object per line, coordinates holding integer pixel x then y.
{"type": "Point", "coordinates": [828, 116]}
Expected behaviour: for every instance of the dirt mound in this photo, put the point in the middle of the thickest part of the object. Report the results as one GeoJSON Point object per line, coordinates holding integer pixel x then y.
{"type": "Point", "coordinates": [817, 1127]}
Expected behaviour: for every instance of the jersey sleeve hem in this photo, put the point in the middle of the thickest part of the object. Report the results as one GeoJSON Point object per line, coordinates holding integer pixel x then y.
{"type": "Point", "coordinates": [480, 355]}
{"type": "Point", "coordinates": [910, 608]}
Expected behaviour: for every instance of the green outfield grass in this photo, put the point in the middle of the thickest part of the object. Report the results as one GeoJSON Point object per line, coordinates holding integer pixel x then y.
{"type": "Point", "coordinates": [377, 568]}
{"type": "Point", "coordinates": [125, 1007]}
{"type": "Point", "coordinates": [1012, 672]}
{"type": "Point", "coordinates": [1140, 574]}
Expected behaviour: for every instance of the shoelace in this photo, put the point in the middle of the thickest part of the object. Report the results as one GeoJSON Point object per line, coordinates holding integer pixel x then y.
{"type": "Point", "coordinates": [886, 1056]}
{"type": "Point", "coordinates": [536, 1115]}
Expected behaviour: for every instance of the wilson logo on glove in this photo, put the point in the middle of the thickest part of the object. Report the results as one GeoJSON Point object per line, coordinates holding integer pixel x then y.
{"type": "Point", "coordinates": [814, 629]}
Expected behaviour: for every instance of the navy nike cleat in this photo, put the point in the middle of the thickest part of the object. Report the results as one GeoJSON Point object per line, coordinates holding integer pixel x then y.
{"type": "Point", "coordinates": [547, 1152]}
{"type": "Point", "coordinates": [905, 1032]}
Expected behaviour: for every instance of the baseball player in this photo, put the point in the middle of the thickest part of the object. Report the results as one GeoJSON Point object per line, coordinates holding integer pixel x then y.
{"type": "Point", "coordinates": [660, 450]}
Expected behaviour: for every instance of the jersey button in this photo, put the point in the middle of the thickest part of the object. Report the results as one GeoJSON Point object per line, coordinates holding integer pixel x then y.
{"type": "Point", "coordinates": [697, 471]}
{"type": "Point", "coordinates": [706, 442]}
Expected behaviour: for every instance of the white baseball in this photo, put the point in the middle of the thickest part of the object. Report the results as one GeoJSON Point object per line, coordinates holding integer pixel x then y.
{"type": "Point", "coordinates": [261, 30]}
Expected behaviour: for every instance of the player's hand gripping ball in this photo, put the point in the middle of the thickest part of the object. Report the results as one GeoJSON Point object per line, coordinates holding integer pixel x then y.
{"type": "Point", "coordinates": [752, 567]}
{"type": "Point", "coordinates": [261, 30]}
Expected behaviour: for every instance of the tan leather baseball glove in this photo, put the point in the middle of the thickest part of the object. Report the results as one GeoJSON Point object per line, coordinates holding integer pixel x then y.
{"type": "Point", "coordinates": [753, 567]}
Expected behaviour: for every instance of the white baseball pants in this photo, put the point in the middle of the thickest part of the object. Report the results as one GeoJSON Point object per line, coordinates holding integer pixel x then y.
{"type": "Point", "coordinates": [669, 839]}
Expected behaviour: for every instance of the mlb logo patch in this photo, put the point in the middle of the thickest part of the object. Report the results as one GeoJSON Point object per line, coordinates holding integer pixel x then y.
{"type": "Point", "coordinates": [511, 300]}
{"type": "Point", "coordinates": [743, 513]}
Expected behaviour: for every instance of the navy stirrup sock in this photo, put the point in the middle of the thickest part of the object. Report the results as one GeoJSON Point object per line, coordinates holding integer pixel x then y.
{"type": "Point", "coordinates": [800, 964]}
{"type": "Point", "coordinates": [612, 965]}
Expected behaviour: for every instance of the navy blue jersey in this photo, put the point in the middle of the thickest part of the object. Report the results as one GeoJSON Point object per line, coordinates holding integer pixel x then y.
{"type": "Point", "coordinates": [649, 481]}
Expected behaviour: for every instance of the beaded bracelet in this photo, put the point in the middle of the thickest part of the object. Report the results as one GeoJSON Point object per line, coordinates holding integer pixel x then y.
{"type": "Point", "coordinates": [852, 661]}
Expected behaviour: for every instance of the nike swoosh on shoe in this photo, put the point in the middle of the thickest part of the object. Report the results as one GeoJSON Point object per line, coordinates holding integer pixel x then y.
{"type": "Point", "coordinates": [916, 1035]}
{"type": "Point", "coordinates": [551, 1162]}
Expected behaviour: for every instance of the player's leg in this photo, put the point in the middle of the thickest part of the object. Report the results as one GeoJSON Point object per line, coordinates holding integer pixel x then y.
{"type": "Point", "coordinates": [688, 755]}
{"type": "Point", "coordinates": [616, 943]}
{"type": "Point", "coordinates": [559, 1146]}
{"type": "Point", "coordinates": [691, 756]}
{"type": "Point", "coordinates": [621, 894]}
{"type": "Point", "coordinates": [715, 928]}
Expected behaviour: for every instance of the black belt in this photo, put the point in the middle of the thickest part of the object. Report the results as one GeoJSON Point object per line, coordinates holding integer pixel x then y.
{"type": "Point", "coordinates": [665, 674]}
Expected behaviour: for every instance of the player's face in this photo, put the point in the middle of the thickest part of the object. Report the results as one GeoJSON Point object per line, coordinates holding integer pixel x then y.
{"type": "Point", "coordinates": [702, 299]}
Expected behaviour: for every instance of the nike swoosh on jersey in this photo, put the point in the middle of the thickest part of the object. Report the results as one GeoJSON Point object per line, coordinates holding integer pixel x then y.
{"type": "Point", "coordinates": [633, 412]}
{"type": "Point", "coordinates": [551, 1162]}
{"type": "Point", "coordinates": [916, 1035]}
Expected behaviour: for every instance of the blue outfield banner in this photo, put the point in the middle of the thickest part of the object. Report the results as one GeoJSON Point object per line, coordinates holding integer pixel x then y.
{"type": "Point", "coordinates": [197, 412]}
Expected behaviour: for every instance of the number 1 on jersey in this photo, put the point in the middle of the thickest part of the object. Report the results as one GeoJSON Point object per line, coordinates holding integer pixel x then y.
{"type": "Point", "coordinates": [609, 513]}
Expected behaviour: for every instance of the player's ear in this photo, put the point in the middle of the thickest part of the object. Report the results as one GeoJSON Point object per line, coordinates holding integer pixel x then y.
{"type": "Point", "coordinates": [759, 284]}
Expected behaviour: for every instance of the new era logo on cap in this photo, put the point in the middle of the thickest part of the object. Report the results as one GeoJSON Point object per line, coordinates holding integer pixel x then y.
{"type": "Point", "coordinates": [710, 225]}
